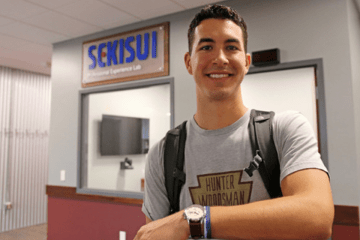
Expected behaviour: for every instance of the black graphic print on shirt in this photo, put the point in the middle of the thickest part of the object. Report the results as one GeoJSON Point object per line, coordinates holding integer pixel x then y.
{"type": "Point", "coordinates": [221, 189]}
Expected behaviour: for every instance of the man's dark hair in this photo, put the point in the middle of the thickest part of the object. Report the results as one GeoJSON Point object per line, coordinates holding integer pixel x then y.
{"type": "Point", "coordinates": [217, 12]}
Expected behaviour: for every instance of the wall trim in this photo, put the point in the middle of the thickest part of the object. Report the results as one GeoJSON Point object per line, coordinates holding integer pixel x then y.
{"type": "Point", "coordinates": [82, 153]}
{"type": "Point", "coordinates": [70, 192]}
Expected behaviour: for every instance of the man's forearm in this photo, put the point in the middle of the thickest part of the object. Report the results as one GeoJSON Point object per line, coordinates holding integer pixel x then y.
{"type": "Point", "coordinates": [283, 218]}
{"type": "Point", "coordinates": [305, 212]}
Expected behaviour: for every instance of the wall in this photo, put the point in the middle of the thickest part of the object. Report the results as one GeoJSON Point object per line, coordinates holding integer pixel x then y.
{"type": "Point", "coordinates": [280, 91]}
{"type": "Point", "coordinates": [302, 30]}
{"type": "Point", "coordinates": [74, 220]}
{"type": "Point", "coordinates": [24, 137]}
{"type": "Point", "coordinates": [65, 85]}
{"type": "Point", "coordinates": [354, 30]}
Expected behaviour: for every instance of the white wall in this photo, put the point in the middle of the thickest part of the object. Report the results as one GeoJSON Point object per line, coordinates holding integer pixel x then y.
{"type": "Point", "coordinates": [24, 127]}
{"type": "Point", "coordinates": [302, 30]}
{"type": "Point", "coordinates": [150, 102]}
{"type": "Point", "coordinates": [280, 91]}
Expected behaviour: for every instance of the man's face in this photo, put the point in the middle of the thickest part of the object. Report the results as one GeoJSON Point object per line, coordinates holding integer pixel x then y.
{"type": "Point", "coordinates": [218, 60]}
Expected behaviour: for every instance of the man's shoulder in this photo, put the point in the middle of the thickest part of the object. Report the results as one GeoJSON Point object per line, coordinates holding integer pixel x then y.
{"type": "Point", "coordinates": [283, 119]}
{"type": "Point", "coordinates": [155, 152]}
{"type": "Point", "coordinates": [287, 114]}
{"type": "Point", "coordinates": [291, 124]}
{"type": "Point", "coordinates": [286, 118]}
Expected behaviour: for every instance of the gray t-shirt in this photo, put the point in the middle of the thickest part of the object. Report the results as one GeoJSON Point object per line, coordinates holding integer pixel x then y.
{"type": "Point", "coordinates": [215, 159]}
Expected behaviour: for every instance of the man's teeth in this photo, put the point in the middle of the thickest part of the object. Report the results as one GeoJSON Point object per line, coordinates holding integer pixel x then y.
{"type": "Point", "coordinates": [218, 75]}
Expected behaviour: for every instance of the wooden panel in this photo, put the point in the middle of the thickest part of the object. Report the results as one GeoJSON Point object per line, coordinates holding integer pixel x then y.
{"type": "Point", "coordinates": [346, 215]}
{"type": "Point", "coordinates": [91, 220]}
{"type": "Point", "coordinates": [70, 192]}
{"type": "Point", "coordinates": [340, 232]}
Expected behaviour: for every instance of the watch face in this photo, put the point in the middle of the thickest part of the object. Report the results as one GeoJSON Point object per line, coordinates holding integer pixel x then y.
{"type": "Point", "coordinates": [194, 213]}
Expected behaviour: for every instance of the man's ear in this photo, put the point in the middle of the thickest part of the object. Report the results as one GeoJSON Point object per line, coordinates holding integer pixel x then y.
{"type": "Point", "coordinates": [187, 60]}
{"type": "Point", "coordinates": [248, 60]}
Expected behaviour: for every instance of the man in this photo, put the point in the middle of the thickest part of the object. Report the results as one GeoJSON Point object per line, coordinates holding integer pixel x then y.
{"type": "Point", "coordinates": [218, 148]}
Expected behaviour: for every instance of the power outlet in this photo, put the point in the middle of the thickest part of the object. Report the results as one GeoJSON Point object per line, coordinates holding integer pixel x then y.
{"type": "Point", "coordinates": [122, 235]}
{"type": "Point", "coordinates": [8, 206]}
{"type": "Point", "coordinates": [62, 175]}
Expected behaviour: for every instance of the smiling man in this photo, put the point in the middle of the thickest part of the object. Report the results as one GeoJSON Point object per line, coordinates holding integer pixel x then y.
{"type": "Point", "coordinates": [217, 191]}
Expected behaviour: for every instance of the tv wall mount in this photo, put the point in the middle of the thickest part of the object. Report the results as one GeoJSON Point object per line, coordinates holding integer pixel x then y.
{"type": "Point", "coordinates": [126, 164]}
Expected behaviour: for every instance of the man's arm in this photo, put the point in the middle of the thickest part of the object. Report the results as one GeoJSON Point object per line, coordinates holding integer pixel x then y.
{"type": "Point", "coordinates": [305, 212]}
{"type": "Point", "coordinates": [148, 220]}
{"type": "Point", "coordinates": [173, 227]}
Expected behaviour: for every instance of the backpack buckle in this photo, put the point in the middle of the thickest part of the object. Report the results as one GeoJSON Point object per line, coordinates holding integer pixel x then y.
{"type": "Point", "coordinates": [261, 118]}
{"type": "Point", "coordinates": [179, 175]}
{"type": "Point", "coordinates": [254, 164]}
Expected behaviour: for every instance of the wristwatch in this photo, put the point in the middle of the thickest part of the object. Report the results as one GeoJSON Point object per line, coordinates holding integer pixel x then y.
{"type": "Point", "coordinates": [195, 215]}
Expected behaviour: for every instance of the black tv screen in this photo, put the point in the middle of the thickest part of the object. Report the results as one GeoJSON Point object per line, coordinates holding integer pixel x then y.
{"type": "Point", "coordinates": [122, 135]}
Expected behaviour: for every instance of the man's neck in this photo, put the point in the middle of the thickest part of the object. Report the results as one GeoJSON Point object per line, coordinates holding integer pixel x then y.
{"type": "Point", "coordinates": [219, 114]}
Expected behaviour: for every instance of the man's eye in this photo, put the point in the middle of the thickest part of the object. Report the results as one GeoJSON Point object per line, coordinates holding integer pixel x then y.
{"type": "Point", "coordinates": [206, 48]}
{"type": "Point", "coordinates": [232, 47]}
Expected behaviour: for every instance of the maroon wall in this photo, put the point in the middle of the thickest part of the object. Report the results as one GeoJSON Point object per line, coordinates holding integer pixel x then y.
{"type": "Point", "coordinates": [345, 232]}
{"type": "Point", "coordinates": [80, 219]}
{"type": "Point", "coordinates": [73, 216]}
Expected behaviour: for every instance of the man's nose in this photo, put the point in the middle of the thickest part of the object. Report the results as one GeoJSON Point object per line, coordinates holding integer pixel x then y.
{"type": "Point", "coordinates": [220, 58]}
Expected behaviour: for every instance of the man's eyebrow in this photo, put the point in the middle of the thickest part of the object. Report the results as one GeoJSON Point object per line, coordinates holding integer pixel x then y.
{"type": "Point", "coordinates": [232, 40]}
{"type": "Point", "coordinates": [206, 40]}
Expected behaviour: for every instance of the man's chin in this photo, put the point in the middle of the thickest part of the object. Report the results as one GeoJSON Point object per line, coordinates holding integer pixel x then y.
{"type": "Point", "coordinates": [218, 96]}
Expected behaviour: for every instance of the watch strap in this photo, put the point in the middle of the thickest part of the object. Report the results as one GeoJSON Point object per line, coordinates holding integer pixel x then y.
{"type": "Point", "coordinates": [195, 229]}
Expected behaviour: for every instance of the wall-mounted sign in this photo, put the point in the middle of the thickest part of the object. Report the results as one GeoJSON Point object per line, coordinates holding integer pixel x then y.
{"type": "Point", "coordinates": [137, 54]}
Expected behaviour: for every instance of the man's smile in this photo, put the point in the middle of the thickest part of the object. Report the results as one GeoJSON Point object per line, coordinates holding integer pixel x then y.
{"type": "Point", "coordinates": [223, 75]}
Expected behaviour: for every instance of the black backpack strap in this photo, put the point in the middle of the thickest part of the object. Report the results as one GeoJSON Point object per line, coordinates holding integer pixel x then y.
{"type": "Point", "coordinates": [174, 164]}
{"type": "Point", "coordinates": [265, 156]}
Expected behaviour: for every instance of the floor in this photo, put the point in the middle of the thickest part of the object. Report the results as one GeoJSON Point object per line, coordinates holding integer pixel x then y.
{"type": "Point", "coordinates": [37, 232]}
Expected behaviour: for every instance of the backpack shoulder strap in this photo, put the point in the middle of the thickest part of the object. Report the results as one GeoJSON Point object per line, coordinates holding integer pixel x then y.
{"type": "Point", "coordinates": [264, 151]}
{"type": "Point", "coordinates": [174, 146]}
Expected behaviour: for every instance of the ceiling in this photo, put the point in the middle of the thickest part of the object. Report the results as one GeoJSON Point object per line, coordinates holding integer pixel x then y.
{"type": "Point", "coordinates": [28, 28]}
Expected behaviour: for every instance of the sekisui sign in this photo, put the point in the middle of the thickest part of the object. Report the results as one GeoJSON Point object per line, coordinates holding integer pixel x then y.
{"type": "Point", "coordinates": [138, 54]}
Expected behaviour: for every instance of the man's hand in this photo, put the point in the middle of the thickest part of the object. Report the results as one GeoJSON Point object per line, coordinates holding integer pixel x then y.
{"type": "Point", "coordinates": [173, 227]}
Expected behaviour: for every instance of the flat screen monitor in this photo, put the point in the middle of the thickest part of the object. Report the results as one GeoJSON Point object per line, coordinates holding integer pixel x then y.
{"type": "Point", "coordinates": [122, 135]}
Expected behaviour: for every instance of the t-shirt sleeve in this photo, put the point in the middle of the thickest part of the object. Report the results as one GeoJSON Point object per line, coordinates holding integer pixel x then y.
{"type": "Point", "coordinates": [156, 204]}
{"type": "Point", "coordinates": [296, 144]}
